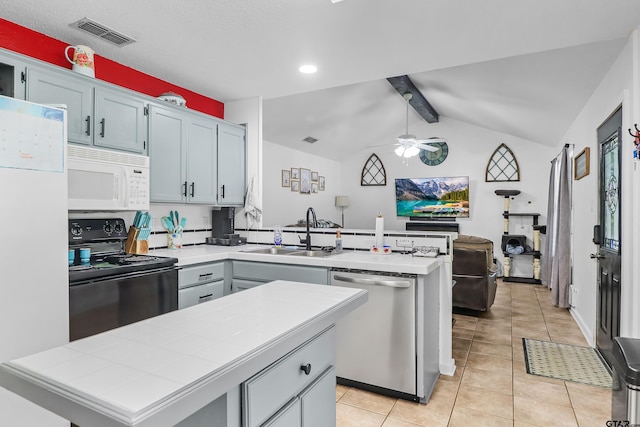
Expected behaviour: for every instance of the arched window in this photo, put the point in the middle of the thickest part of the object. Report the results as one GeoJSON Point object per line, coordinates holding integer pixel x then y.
{"type": "Point", "coordinates": [502, 166]}
{"type": "Point", "coordinates": [373, 172]}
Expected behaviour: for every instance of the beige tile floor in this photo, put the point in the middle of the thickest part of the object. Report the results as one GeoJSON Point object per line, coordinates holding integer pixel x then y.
{"type": "Point", "coordinates": [491, 387]}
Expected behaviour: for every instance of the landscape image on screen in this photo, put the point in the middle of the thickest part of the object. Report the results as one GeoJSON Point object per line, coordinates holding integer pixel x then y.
{"type": "Point", "coordinates": [446, 197]}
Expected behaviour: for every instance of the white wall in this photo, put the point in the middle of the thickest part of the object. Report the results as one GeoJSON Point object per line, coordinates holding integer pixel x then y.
{"type": "Point", "coordinates": [283, 207]}
{"type": "Point", "coordinates": [614, 90]}
{"type": "Point", "coordinates": [470, 148]}
{"type": "Point", "coordinates": [249, 112]}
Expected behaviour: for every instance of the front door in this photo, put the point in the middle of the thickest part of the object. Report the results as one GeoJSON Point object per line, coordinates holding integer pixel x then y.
{"type": "Point", "coordinates": [608, 236]}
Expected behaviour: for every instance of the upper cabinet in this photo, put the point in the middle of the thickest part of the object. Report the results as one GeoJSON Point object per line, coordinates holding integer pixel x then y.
{"type": "Point", "coordinates": [182, 154]}
{"type": "Point", "coordinates": [46, 87]}
{"type": "Point", "coordinates": [119, 121]}
{"type": "Point", "coordinates": [12, 77]}
{"type": "Point", "coordinates": [99, 116]}
{"type": "Point", "coordinates": [231, 164]}
{"type": "Point", "coordinates": [195, 158]}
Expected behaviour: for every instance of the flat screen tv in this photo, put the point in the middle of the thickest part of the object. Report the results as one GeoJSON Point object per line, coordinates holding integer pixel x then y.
{"type": "Point", "coordinates": [435, 198]}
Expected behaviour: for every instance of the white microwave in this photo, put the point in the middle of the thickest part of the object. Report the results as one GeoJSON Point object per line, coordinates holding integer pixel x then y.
{"type": "Point", "coordinates": [103, 180]}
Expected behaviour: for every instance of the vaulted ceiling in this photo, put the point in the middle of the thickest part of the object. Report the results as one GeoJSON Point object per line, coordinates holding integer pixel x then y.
{"type": "Point", "coordinates": [524, 68]}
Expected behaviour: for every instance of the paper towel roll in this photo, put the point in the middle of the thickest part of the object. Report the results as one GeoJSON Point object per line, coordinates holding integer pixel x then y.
{"type": "Point", "coordinates": [379, 231]}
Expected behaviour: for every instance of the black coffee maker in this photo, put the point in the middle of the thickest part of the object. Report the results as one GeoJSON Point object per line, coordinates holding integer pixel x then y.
{"type": "Point", "coordinates": [223, 229]}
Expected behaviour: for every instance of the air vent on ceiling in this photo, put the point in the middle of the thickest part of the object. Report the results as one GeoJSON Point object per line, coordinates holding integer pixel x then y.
{"type": "Point", "coordinates": [310, 139]}
{"type": "Point", "coordinates": [105, 33]}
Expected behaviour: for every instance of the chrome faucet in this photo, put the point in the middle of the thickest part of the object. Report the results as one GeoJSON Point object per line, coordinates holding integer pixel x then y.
{"type": "Point", "coordinates": [308, 239]}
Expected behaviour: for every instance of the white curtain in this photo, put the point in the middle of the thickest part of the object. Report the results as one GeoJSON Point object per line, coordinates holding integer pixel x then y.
{"type": "Point", "coordinates": [556, 271]}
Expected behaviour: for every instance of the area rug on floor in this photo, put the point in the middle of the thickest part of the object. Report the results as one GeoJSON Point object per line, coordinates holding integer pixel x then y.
{"type": "Point", "coordinates": [565, 362]}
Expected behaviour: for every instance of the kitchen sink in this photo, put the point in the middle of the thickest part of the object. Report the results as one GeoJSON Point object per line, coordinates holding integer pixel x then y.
{"type": "Point", "coordinates": [313, 253]}
{"type": "Point", "coordinates": [295, 252]}
{"type": "Point", "coordinates": [274, 251]}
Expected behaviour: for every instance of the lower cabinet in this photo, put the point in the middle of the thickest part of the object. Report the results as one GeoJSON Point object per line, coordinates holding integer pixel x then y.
{"type": "Point", "coordinates": [298, 390]}
{"type": "Point", "coordinates": [248, 274]}
{"type": "Point", "coordinates": [200, 283]}
{"type": "Point", "coordinates": [200, 293]}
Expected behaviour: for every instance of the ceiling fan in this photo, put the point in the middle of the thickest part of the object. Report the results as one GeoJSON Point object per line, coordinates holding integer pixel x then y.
{"type": "Point", "coordinates": [408, 145]}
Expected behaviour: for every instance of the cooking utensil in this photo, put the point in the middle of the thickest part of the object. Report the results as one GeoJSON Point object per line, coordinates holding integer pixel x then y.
{"type": "Point", "coordinates": [166, 223]}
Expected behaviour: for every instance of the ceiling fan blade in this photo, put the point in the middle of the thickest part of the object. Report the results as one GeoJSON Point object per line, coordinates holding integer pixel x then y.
{"type": "Point", "coordinates": [427, 147]}
{"type": "Point", "coordinates": [430, 140]}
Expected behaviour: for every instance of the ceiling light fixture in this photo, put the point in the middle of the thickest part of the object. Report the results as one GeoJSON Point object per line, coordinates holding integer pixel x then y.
{"type": "Point", "coordinates": [308, 69]}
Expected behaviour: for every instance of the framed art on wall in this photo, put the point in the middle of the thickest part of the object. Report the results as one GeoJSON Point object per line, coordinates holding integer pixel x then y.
{"type": "Point", "coordinates": [286, 177]}
{"type": "Point", "coordinates": [305, 181]}
{"type": "Point", "coordinates": [295, 173]}
{"type": "Point", "coordinates": [321, 183]}
{"type": "Point", "coordinates": [581, 164]}
{"type": "Point", "coordinates": [314, 176]}
{"type": "Point", "coordinates": [314, 187]}
{"type": "Point", "coordinates": [295, 186]}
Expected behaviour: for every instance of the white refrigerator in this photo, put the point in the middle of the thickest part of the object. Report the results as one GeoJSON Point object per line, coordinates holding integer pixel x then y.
{"type": "Point", "coordinates": [34, 278]}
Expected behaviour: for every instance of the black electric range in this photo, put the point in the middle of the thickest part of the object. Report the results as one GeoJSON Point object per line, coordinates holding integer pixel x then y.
{"type": "Point", "coordinates": [105, 238]}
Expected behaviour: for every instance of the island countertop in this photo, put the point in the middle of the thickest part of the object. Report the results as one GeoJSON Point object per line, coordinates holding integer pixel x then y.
{"type": "Point", "coordinates": [356, 259]}
{"type": "Point", "coordinates": [159, 371]}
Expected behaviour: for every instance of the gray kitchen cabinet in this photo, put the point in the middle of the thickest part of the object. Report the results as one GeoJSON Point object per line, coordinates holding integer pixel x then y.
{"type": "Point", "coordinates": [12, 76]}
{"type": "Point", "coordinates": [296, 388]}
{"type": "Point", "coordinates": [120, 121]}
{"type": "Point", "coordinates": [167, 155]}
{"type": "Point", "coordinates": [96, 115]}
{"type": "Point", "coordinates": [318, 401]}
{"type": "Point", "coordinates": [49, 87]}
{"type": "Point", "coordinates": [202, 160]}
{"type": "Point", "coordinates": [248, 274]}
{"type": "Point", "coordinates": [289, 416]}
{"type": "Point", "coordinates": [183, 156]}
{"type": "Point", "coordinates": [231, 164]}
{"type": "Point", "coordinates": [200, 283]}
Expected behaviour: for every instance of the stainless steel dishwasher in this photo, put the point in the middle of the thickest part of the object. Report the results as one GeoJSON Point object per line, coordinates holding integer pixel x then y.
{"type": "Point", "coordinates": [377, 343]}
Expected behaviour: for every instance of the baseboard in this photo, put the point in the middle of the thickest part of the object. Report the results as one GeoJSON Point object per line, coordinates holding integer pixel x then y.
{"type": "Point", "coordinates": [448, 368]}
{"type": "Point", "coordinates": [588, 335]}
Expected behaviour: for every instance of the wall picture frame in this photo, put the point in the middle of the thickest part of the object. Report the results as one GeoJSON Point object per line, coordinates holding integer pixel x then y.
{"type": "Point", "coordinates": [286, 177]}
{"type": "Point", "coordinates": [321, 183]}
{"type": "Point", "coordinates": [314, 188]}
{"type": "Point", "coordinates": [295, 186]}
{"type": "Point", "coordinates": [581, 164]}
{"type": "Point", "coordinates": [295, 173]}
{"type": "Point", "coordinates": [305, 181]}
{"type": "Point", "coordinates": [314, 176]}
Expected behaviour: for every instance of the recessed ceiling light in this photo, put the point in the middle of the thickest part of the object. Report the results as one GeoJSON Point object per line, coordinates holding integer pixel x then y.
{"type": "Point", "coordinates": [308, 69]}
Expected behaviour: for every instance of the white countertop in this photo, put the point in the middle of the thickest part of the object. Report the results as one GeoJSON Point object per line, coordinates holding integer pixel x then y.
{"type": "Point", "coordinates": [160, 370]}
{"type": "Point", "coordinates": [362, 260]}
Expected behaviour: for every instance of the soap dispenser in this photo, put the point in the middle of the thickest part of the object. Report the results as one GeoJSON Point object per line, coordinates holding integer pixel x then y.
{"type": "Point", "coordinates": [338, 242]}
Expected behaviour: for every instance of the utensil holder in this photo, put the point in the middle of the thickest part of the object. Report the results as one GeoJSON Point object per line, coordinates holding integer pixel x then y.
{"type": "Point", "coordinates": [133, 245]}
{"type": "Point", "coordinates": [174, 240]}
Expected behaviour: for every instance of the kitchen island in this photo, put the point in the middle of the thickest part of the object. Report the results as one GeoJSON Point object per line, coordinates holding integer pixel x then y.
{"type": "Point", "coordinates": [160, 371]}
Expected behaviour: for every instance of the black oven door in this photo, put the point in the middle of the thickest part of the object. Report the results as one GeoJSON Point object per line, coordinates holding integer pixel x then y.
{"type": "Point", "coordinates": [110, 302]}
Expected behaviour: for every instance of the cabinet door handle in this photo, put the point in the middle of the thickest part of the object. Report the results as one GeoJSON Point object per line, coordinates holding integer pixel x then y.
{"type": "Point", "coordinates": [306, 368]}
{"type": "Point", "coordinates": [205, 276]}
{"type": "Point", "coordinates": [205, 297]}
{"type": "Point", "coordinates": [193, 188]}
{"type": "Point", "coordinates": [102, 122]}
{"type": "Point", "coordinates": [222, 188]}
{"type": "Point", "coordinates": [184, 189]}
{"type": "Point", "coordinates": [88, 120]}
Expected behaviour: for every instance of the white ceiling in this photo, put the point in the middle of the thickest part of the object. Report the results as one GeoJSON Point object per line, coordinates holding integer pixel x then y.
{"type": "Point", "coordinates": [524, 68]}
